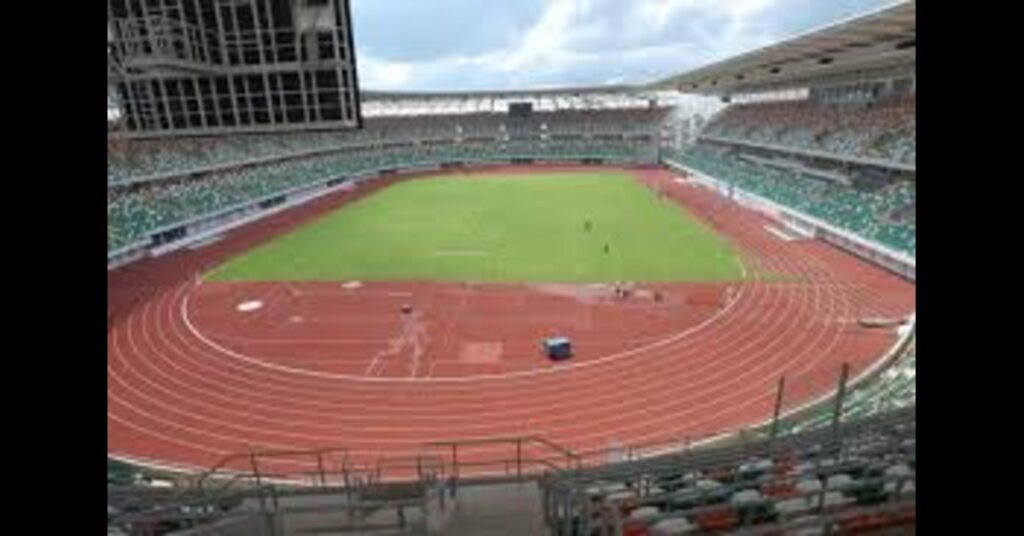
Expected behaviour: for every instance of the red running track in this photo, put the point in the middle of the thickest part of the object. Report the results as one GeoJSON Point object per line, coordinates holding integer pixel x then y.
{"type": "Point", "coordinates": [190, 379]}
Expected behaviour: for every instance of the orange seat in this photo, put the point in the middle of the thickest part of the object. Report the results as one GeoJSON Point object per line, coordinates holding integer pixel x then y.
{"type": "Point", "coordinates": [860, 524]}
{"type": "Point", "coordinates": [904, 517]}
{"type": "Point", "coordinates": [783, 466]}
{"type": "Point", "coordinates": [779, 490]}
{"type": "Point", "coordinates": [721, 519]}
{"type": "Point", "coordinates": [634, 528]}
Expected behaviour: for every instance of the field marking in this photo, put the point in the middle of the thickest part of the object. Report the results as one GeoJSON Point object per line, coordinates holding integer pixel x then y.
{"type": "Point", "coordinates": [249, 306]}
{"type": "Point", "coordinates": [461, 253]}
{"type": "Point", "coordinates": [292, 290]}
{"type": "Point", "coordinates": [780, 234]}
{"type": "Point", "coordinates": [409, 336]}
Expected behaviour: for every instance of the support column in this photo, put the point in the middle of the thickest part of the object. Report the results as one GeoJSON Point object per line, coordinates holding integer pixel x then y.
{"type": "Point", "coordinates": [778, 408]}
{"type": "Point", "coordinates": [225, 61]}
{"type": "Point", "coordinates": [837, 411]}
{"type": "Point", "coordinates": [263, 61]}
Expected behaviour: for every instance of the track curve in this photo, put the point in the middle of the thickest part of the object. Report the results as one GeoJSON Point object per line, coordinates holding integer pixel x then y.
{"type": "Point", "coordinates": [175, 398]}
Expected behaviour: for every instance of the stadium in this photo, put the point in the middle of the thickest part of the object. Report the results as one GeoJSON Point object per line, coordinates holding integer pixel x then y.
{"type": "Point", "coordinates": [679, 307]}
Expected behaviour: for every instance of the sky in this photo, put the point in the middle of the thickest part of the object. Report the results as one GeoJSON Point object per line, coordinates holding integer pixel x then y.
{"type": "Point", "coordinates": [439, 45]}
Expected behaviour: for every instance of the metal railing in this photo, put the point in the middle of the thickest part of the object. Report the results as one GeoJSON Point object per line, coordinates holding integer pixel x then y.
{"type": "Point", "coordinates": [516, 457]}
{"type": "Point", "coordinates": [269, 476]}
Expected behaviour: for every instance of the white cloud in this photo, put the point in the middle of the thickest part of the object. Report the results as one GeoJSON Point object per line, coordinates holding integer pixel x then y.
{"type": "Point", "coordinates": [593, 41]}
{"type": "Point", "coordinates": [377, 73]}
{"type": "Point", "coordinates": [546, 39]}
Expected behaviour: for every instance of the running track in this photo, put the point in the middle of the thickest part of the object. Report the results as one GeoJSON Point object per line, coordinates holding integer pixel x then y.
{"type": "Point", "coordinates": [177, 397]}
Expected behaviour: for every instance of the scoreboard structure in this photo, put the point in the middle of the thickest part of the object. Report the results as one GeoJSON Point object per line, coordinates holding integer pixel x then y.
{"type": "Point", "coordinates": [202, 67]}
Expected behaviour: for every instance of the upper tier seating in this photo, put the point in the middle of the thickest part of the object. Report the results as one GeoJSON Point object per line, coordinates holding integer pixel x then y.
{"type": "Point", "coordinates": [885, 130]}
{"type": "Point", "coordinates": [177, 157]}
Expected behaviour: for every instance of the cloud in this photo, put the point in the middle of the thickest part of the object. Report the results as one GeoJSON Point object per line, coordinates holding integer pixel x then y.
{"type": "Point", "coordinates": [377, 73]}
{"type": "Point", "coordinates": [531, 43]}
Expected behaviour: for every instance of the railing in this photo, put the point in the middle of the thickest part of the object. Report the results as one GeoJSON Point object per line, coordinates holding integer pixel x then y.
{"type": "Point", "coordinates": [269, 476]}
{"type": "Point", "coordinates": [319, 474]}
{"type": "Point", "coordinates": [262, 475]}
{"type": "Point", "coordinates": [524, 460]}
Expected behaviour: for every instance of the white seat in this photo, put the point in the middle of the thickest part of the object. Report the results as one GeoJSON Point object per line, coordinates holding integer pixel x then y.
{"type": "Point", "coordinates": [707, 483]}
{"type": "Point", "coordinates": [673, 527]}
{"type": "Point", "coordinates": [796, 505]}
{"type": "Point", "coordinates": [839, 481]}
{"type": "Point", "coordinates": [644, 512]}
{"type": "Point", "coordinates": [809, 485]}
{"type": "Point", "coordinates": [908, 487]}
{"type": "Point", "coordinates": [756, 464]}
{"type": "Point", "coordinates": [803, 468]}
{"type": "Point", "coordinates": [621, 495]}
{"type": "Point", "coordinates": [836, 498]}
{"type": "Point", "coordinates": [746, 496]}
{"type": "Point", "coordinates": [900, 469]}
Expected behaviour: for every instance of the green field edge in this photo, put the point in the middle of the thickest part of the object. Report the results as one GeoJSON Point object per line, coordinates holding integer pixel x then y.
{"type": "Point", "coordinates": [738, 272]}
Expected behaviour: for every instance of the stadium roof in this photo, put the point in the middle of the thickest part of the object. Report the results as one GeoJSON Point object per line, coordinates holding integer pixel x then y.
{"type": "Point", "coordinates": [880, 42]}
{"type": "Point", "coordinates": [591, 90]}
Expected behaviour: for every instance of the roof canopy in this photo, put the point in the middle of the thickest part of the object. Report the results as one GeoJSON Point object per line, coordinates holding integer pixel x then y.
{"type": "Point", "coordinates": [407, 95]}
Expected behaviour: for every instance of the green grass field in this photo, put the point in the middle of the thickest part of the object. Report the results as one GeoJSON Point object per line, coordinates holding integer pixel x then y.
{"type": "Point", "coordinates": [498, 229]}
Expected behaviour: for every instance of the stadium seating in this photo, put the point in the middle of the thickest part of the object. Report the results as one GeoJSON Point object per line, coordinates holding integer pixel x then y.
{"type": "Point", "coordinates": [132, 215]}
{"type": "Point", "coordinates": [886, 215]}
{"type": "Point", "coordinates": [862, 478]}
{"type": "Point", "coordinates": [158, 158]}
{"type": "Point", "coordinates": [885, 130]}
{"type": "Point", "coordinates": [277, 162]}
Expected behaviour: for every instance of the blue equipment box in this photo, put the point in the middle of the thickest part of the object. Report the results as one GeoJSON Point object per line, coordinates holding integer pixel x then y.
{"type": "Point", "coordinates": [558, 348]}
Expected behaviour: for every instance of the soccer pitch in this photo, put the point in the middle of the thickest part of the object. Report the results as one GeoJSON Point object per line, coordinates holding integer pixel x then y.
{"type": "Point", "coordinates": [497, 228]}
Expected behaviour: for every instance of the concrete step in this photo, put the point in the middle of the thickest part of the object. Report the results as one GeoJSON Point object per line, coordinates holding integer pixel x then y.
{"type": "Point", "coordinates": [497, 510]}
